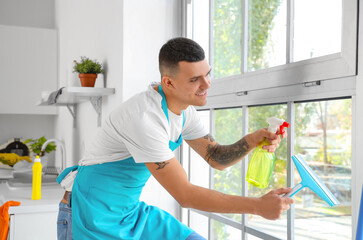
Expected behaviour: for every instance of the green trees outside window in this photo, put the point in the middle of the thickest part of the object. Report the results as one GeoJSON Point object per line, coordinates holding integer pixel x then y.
{"type": "Point", "coordinates": [322, 130]}
{"type": "Point", "coordinates": [323, 136]}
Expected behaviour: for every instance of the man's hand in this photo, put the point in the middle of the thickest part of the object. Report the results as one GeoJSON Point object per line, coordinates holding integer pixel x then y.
{"type": "Point", "coordinates": [272, 205]}
{"type": "Point", "coordinates": [256, 138]}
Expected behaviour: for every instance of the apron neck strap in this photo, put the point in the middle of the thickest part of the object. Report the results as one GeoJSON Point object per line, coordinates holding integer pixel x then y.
{"type": "Point", "coordinates": [164, 105]}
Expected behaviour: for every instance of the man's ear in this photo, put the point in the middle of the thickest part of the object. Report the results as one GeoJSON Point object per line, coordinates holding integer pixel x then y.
{"type": "Point", "coordinates": [167, 81]}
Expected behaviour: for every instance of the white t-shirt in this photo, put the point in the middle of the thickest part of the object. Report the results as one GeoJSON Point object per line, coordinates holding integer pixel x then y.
{"type": "Point", "coordinates": [139, 128]}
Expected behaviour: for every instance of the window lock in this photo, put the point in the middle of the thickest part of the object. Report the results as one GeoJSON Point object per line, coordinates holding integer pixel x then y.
{"type": "Point", "coordinates": [312, 84]}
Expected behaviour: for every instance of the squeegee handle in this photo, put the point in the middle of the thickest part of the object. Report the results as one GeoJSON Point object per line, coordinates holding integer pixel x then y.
{"type": "Point", "coordinates": [294, 190]}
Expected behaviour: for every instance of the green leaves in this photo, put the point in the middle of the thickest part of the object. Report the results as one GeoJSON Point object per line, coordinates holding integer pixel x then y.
{"type": "Point", "coordinates": [87, 66]}
{"type": "Point", "coordinates": [36, 146]}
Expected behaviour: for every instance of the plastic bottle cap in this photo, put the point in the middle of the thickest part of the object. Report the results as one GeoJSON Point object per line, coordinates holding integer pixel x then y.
{"type": "Point", "coordinates": [37, 159]}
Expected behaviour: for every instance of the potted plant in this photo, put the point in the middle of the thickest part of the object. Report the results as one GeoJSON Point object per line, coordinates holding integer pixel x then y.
{"type": "Point", "coordinates": [36, 146]}
{"type": "Point", "coordinates": [88, 71]}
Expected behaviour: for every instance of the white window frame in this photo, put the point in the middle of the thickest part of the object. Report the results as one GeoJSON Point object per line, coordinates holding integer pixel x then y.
{"type": "Point", "coordinates": [335, 72]}
{"type": "Point", "coordinates": [243, 225]}
{"type": "Point", "coordinates": [326, 77]}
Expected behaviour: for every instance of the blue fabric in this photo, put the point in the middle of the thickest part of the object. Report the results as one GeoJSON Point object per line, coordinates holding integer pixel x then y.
{"type": "Point", "coordinates": [359, 235]}
{"type": "Point", "coordinates": [172, 145]}
{"type": "Point", "coordinates": [105, 205]}
{"type": "Point", "coordinates": [105, 202]}
{"type": "Point", "coordinates": [65, 173]}
{"type": "Point", "coordinates": [165, 106]}
{"type": "Point", "coordinates": [64, 221]}
{"type": "Point", "coordinates": [195, 236]}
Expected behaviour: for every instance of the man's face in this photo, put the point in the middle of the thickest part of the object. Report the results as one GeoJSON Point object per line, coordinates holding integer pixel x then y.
{"type": "Point", "coordinates": [192, 82]}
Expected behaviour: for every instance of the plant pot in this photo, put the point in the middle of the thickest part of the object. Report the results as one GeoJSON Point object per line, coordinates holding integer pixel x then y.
{"type": "Point", "coordinates": [87, 79]}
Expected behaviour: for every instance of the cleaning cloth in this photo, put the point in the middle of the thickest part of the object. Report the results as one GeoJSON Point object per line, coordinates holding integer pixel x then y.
{"type": "Point", "coordinates": [54, 95]}
{"type": "Point", "coordinates": [4, 218]}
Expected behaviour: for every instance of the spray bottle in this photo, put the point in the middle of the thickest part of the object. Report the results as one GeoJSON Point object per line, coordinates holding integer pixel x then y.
{"type": "Point", "coordinates": [37, 179]}
{"type": "Point", "coordinates": [262, 162]}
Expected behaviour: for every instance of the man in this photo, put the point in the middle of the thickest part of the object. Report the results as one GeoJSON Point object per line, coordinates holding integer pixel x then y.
{"type": "Point", "coordinates": [137, 140]}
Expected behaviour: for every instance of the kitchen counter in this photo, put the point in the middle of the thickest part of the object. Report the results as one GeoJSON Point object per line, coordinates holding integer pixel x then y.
{"type": "Point", "coordinates": [33, 219]}
{"type": "Point", "coordinates": [51, 196]}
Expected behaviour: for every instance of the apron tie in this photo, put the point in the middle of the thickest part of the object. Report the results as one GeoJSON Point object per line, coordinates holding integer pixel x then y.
{"type": "Point", "coordinates": [66, 172]}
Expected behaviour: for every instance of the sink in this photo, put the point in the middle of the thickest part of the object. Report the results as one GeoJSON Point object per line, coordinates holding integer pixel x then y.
{"type": "Point", "coordinates": [25, 179]}
{"type": "Point", "coordinates": [6, 173]}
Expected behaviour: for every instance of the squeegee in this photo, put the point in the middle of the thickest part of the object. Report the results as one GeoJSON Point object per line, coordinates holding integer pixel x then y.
{"type": "Point", "coordinates": [311, 180]}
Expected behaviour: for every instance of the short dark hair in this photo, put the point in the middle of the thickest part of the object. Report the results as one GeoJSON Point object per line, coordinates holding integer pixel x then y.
{"type": "Point", "coordinates": [177, 50]}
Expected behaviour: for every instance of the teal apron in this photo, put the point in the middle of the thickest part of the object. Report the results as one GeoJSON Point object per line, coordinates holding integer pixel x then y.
{"type": "Point", "coordinates": [105, 201]}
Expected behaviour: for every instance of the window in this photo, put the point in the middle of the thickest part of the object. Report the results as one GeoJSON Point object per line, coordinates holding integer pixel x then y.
{"type": "Point", "coordinates": [254, 44]}
{"type": "Point", "coordinates": [294, 59]}
{"type": "Point", "coordinates": [320, 131]}
{"type": "Point", "coordinates": [323, 137]}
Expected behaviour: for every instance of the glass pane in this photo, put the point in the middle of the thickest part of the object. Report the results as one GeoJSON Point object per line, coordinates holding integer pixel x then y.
{"type": "Point", "coordinates": [257, 120]}
{"type": "Point", "coordinates": [227, 38]}
{"type": "Point", "coordinates": [317, 28]}
{"type": "Point", "coordinates": [199, 168]}
{"type": "Point", "coordinates": [323, 137]}
{"type": "Point", "coordinates": [266, 34]}
{"type": "Point", "coordinates": [201, 24]}
{"type": "Point", "coordinates": [199, 224]}
{"type": "Point", "coordinates": [228, 130]}
{"type": "Point", "coordinates": [225, 232]}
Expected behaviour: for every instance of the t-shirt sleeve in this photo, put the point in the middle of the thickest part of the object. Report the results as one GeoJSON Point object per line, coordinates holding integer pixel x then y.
{"type": "Point", "coordinates": [193, 127]}
{"type": "Point", "coordinates": [145, 137]}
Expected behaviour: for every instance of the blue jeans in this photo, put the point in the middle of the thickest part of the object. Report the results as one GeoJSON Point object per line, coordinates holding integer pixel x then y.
{"type": "Point", "coordinates": [64, 222]}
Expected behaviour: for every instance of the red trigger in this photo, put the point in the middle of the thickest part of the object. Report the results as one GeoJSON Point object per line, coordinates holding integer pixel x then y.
{"type": "Point", "coordinates": [282, 127]}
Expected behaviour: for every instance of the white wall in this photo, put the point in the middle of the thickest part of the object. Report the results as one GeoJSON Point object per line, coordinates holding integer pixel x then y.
{"type": "Point", "coordinates": [146, 29]}
{"type": "Point", "coordinates": [93, 29]}
{"type": "Point", "coordinates": [126, 38]}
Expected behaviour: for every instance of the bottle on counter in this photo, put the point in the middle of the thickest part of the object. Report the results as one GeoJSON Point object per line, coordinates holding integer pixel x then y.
{"type": "Point", "coordinates": [37, 179]}
{"type": "Point", "coordinates": [262, 162]}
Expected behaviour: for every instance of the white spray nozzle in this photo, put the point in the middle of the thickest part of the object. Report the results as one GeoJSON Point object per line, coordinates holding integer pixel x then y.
{"type": "Point", "coordinates": [274, 124]}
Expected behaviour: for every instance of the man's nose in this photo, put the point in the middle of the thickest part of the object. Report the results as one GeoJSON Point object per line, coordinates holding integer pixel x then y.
{"type": "Point", "coordinates": [206, 82]}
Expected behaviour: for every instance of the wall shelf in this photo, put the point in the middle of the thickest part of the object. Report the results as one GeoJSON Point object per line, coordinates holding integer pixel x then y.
{"type": "Point", "coordinates": [71, 96]}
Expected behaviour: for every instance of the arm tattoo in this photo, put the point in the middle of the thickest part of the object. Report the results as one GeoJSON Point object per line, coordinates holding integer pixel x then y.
{"type": "Point", "coordinates": [161, 165]}
{"type": "Point", "coordinates": [226, 154]}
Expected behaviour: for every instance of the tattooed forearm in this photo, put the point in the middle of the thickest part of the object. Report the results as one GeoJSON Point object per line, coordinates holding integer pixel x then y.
{"type": "Point", "coordinates": [226, 154]}
{"type": "Point", "coordinates": [161, 165]}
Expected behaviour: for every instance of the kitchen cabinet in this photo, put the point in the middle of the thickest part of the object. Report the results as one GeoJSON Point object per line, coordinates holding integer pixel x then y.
{"type": "Point", "coordinates": [33, 219]}
{"type": "Point", "coordinates": [28, 64]}
{"type": "Point", "coordinates": [36, 223]}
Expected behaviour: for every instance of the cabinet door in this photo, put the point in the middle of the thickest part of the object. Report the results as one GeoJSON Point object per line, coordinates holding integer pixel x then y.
{"type": "Point", "coordinates": [28, 65]}
{"type": "Point", "coordinates": [30, 226]}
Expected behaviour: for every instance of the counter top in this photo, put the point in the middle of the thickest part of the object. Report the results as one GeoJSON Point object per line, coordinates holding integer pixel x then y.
{"type": "Point", "coordinates": [51, 196]}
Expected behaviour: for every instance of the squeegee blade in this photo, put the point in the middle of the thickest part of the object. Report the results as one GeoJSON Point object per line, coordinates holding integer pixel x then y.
{"type": "Point", "coordinates": [312, 181]}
